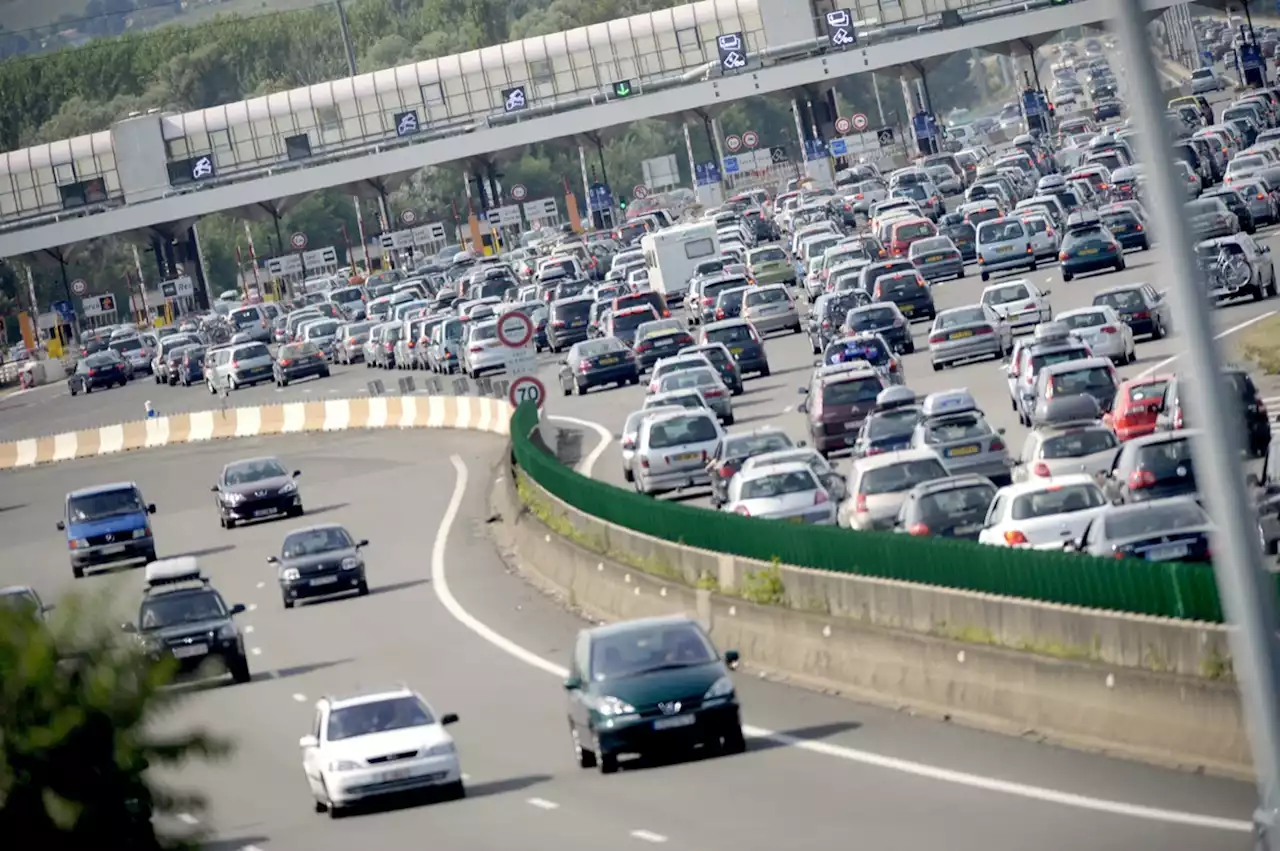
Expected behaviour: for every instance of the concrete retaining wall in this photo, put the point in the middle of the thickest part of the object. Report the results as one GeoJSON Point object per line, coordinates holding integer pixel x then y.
{"type": "Point", "coordinates": [1145, 688]}
{"type": "Point", "coordinates": [462, 412]}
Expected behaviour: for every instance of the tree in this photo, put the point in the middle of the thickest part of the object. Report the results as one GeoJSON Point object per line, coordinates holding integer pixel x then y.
{"type": "Point", "coordinates": [78, 702]}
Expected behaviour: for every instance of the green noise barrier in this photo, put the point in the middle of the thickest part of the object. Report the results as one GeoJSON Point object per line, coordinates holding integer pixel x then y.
{"type": "Point", "coordinates": [1162, 589]}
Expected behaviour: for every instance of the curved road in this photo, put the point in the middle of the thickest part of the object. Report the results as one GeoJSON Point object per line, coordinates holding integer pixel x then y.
{"type": "Point", "coordinates": [447, 617]}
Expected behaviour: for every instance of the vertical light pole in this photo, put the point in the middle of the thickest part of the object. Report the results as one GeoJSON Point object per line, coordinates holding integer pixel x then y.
{"type": "Point", "coordinates": [1248, 595]}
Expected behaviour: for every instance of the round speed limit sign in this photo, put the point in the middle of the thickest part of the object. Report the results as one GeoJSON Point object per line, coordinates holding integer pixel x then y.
{"type": "Point", "coordinates": [528, 388]}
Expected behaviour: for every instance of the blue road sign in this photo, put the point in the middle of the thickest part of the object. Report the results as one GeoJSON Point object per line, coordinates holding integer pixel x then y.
{"type": "Point", "coordinates": [731, 165]}
{"type": "Point", "coordinates": [839, 147]}
{"type": "Point", "coordinates": [599, 197]}
{"type": "Point", "coordinates": [65, 310]}
{"type": "Point", "coordinates": [923, 125]}
{"type": "Point", "coordinates": [1031, 104]}
{"type": "Point", "coordinates": [815, 149]}
{"type": "Point", "coordinates": [707, 172]}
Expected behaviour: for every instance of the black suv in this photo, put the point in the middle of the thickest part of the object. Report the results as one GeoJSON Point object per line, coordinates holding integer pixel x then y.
{"type": "Point", "coordinates": [183, 618]}
{"type": "Point", "coordinates": [1257, 425]}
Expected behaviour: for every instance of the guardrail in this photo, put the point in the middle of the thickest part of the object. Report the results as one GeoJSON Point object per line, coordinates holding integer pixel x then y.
{"type": "Point", "coordinates": [1159, 589]}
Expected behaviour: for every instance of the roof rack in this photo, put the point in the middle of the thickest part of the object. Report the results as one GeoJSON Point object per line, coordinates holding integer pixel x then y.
{"type": "Point", "coordinates": [173, 571]}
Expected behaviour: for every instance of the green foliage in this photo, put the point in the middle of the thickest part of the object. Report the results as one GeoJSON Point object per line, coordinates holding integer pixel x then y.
{"type": "Point", "coordinates": [764, 586]}
{"type": "Point", "coordinates": [78, 712]}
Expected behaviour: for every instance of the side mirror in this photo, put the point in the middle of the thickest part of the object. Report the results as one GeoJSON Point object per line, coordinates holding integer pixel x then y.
{"type": "Point", "coordinates": [297, 473]}
{"type": "Point", "coordinates": [213, 489]}
{"type": "Point", "coordinates": [128, 627]}
{"type": "Point", "coordinates": [1001, 431]}
{"type": "Point", "coordinates": [62, 527]}
{"type": "Point", "coordinates": [803, 407]}
{"type": "Point", "coordinates": [572, 683]}
{"type": "Point", "coordinates": [151, 508]}
{"type": "Point", "coordinates": [238, 609]}
{"type": "Point", "coordinates": [732, 659]}
{"type": "Point", "coordinates": [449, 718]}
{"type": "Point", "coordinates": [804, 391]}
{"type": "Point", "coordinates": [802, 443]}
{"type": "Point", "coordinates": [1046, 292]}
{"type": "Point", "coordinates": [307, 742]}
{"type": "Point", "coordinates": [272, 560]}
{"type": "Point", "coordinates": [363, 542]}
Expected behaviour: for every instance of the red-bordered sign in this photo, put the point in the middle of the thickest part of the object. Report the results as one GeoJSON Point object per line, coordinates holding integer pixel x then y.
{"type": "Point", "coordinates": [750, 139]}
{"type": "Point", "coordinates": [527, 388]}
{"type": "Point", "coordinates": [859, 122]}
{"type": "Point", "coordinates": [298, 240]}
{"type": "Point", "coordinates": [515, 330]}
{"type": "Point", "coordinates": [733, 143]}
{"type": "Point", "coordinates": [843, 125]}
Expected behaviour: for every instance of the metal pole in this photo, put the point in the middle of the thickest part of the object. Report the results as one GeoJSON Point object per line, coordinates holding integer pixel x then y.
{"type": "Point", "coordinates": [875, 87]}
{"type": "Point", "coordinates": [346, 39]}
{"type": "Point", "coordinates": [688, 149]}
{"type": "Point", "coordinates": [586, 186]}
{"type": "Point", "coordinates": [1248, 595]}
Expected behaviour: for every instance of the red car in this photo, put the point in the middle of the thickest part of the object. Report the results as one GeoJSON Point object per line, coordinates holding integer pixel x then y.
{"type": "Point", "coordinates": [1137, 404]}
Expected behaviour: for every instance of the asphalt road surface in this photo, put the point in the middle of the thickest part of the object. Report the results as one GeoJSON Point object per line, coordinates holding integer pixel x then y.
{"type": "Point", "coordinates": [447, 617]}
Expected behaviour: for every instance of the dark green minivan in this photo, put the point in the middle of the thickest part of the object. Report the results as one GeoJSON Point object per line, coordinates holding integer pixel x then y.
{"type": "Point", "coordinates": [648, 686]}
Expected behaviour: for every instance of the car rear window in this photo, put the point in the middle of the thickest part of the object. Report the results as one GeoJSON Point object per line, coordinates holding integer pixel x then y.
{"type": "Point", "coordinates": [779, 484]}
{"type": "Point", "coordinates": [1165, 457]}
{"type": "Point", "coordinates": [851, 391]}
{"type": "Point", "coordinates": [131, 345]}
{"type": "Point", "coordinates": [1078, 443]}
{"type": "Point", "coordinates": [1057, 499]}
{"type": "Point", "coordinates": [768, 295]}
{"type": "Point", "coordinates": [1154, 520]}
{"type": "Point", "coordinates": [956, 504]}
{"type": "Point", "coordinates": [1082, 381]}
{"type": "Point", "coordinates": [902, 476]}
{"type": "Point", "coordinates": [915, 230]}
{"type": "Point", "coordinates": [571, 310]}
{"type": "Point", "coordinates": [730, 334]}
{"type": "Point", "coordinates": [241, 318]}
{"type": "Point", "coordinates": [678, 431]}
{"type": "Point", "coordinates": [958, 427]}
{"type": "Point", "coordinates": [632, 321]}
{"type": "Point", "coordinates": [255, 351]}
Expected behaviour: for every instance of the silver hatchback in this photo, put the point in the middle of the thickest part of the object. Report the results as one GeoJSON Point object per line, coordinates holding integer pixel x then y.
{"type": "Point", "coordinates": [1004, 244]}
{"type": "Point", "coordinates": [672, 451]}
{"type": "Point", "coordinates": [706, 380]}
{"type": "Point", "coordinates": [771, 308]}
{"type": "Point", "coordinates": [966, 333]}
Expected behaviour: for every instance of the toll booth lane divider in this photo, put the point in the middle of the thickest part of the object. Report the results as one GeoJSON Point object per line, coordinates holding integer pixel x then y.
{"type": "Point", "coordinates": [455, 412]}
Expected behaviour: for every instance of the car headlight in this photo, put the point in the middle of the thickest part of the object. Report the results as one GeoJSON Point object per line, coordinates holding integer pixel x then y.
{"type": "Point", "coordinates": [442, 749]}
{"type": "Point", "coordinates": [289, 487]}
{"type": "Point", "coordinates": [722, 687]}
{"type": "Point", "coordinates": [140, 533]}
{"type": "Point", "coordinates": [79, 543]}
{"type": "Point", "coordinates": [227, 632]}
{"type": "Point", "coordinates": [290, 574]}
{"type": "Point", "coordinates": [612, 706]}
{"type": "Point", "coordinates": [343, 765]}
{"type": "Point", "coordinates": [233, 498]}
{"type": "Point", "coordinates": [350, 563]}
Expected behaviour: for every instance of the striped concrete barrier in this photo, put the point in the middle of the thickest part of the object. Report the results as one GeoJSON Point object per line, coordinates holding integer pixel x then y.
{"type": "Point", "coordinates": [455, 412]}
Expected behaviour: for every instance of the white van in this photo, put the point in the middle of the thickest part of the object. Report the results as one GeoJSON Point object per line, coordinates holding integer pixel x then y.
{"type": "Point", "coordinates": [672, 256]}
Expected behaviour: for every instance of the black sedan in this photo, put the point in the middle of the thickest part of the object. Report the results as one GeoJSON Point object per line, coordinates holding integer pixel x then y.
{"type": "Point", "coordinates": [100, 369]}
{"type": "Point", "coordinates": [255, 489]}
{"type": "Point", "coordinates": [1141, 307]}
{"type": "Point", "coordinates": [594, 363]}
{"type": "Point", "coordinates": [299, 360]}
{"type": "Point", "coordinates": [174, 358]}
{"type": "Point", "coordinates": [1173, 529]}
{"type": "Point", "coordinates": [320, 561]}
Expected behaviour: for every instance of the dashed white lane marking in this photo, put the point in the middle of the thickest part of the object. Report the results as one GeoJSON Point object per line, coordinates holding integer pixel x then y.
{"type": "Point", "coordinates": [187, 818]}
{"type": "Point", "coordinates": [542, 804]}
{"type": "Point", "coordinates": [787, 409]}
{"type": "Point", "coordinates": [251, 848]}
{"type": "Point", "coordinates": [586, 465]}
{"type": "Point", "coordinates": [440, 585]}
{"type": "Point", "coordinates": [299, 697]}
{"type": "Point", "coordinates": [648, 836]}
{"type": "Point", "coordinates": [261, 585]}
{"type": "Point", "coordinates": [256, 651]}
{"type": "Point", "coordinates": [1227, 333]}
{"type": "Point", "coordinates": [248, 630]}
{"type": "Point", "coordinates": [253, 607]}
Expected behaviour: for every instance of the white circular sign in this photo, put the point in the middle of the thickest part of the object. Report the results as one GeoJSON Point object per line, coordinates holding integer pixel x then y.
{"type": "Point", "coordinates": [733, 143]}
{"type": "Point", "coordinates": [518, 192]}
{"type": "Point", "coordinates": [859, 122]}
{"type": "Point", "coordinates": [515, 330]}
{"type": "Point", "coordinates": [79, 287]}
{"type": "Point", "coordinates": [843, 125]}
{"type": "Point", "coordinates": [527, 388]}
{"type": "Point", "coordinates": [750, 139]}
{"type": "Point", "coordinates": [408, 217]}
{"type": "Point", "coordinates": [641, 192]}
{"type": "Point", "coordinates": [298, 240]}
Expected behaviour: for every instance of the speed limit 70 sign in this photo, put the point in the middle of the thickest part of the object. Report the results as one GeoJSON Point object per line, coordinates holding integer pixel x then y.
{"type": "Point", "coordinates": [528, 388]}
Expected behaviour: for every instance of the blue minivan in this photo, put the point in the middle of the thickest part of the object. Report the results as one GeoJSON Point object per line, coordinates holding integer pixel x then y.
{"type": "Point", "coordinates": [107, 525]}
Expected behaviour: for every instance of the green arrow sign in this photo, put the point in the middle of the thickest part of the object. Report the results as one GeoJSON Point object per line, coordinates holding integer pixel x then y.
{"type": "Point", "coordinates": [622, 89]}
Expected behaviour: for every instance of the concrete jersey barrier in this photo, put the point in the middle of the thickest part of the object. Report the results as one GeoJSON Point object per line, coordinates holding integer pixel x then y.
{"type": "Point", "coordinates": [457, 412]}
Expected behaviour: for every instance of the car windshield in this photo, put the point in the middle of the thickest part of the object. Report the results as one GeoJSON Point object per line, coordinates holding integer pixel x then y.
{"type": "Point", "coordinates": [897, 284]}
{"type": "Point", "coordinates": [1000, 231]}
{"type": "Point", "coordinates": [644, 648]}
{"type": "Point", "coordinates": [956, 504]}
{"type": "Point", "coordinates": [1057, 499]}
{"type": "Point", "coordinates": [678, 431]}
{"type": "Point", "coordinates": [688, 378]}
{"type": "Point", "coordinates": [309, 542]}
{"type": "Point", "coordinates": [747, 445]}
{"type": "Point", "coordinates": [1076, 321]}
{"type": "Point", "coordinates": [851, 391]}
{"type": "Point", "coordinates": [1153, 520]}
{"type": "Point", "coordinates": [1121, 300]}
{"type": "Point", "coordinates": [779, 484]}
{"type": "Point", "coordinates": [1042, 359]}
{"type": "Point", "coordinates": [902, 476]}
{"type": "Point", "coordinates": [104, 504]}
{"type": "Point", "coordinates": [20, 600]}
{"type": "Point", "coordinates": [252, 471]}
{"type": "Point", "coordinates": [1093, 378]}
{"type": "Point", "coordinates": [166, 610]}
{"type": "Point", "coordinates": [1078, 443]}
{"type": "Point", "coordinates": [969, 426]}
{"type": "Point", "coordinates": [1006, 295]}
{"type": "Point", "coordinates": [376, 716]}
{"type": "Point", "coordinates": [961, 317]}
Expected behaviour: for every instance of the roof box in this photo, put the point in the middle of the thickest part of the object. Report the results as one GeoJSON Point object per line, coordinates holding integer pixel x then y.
{"type": "Point", "coordinates": [948, 402]}
{"type": "Point", "coordinates": [1065, 410]}
{"type": "Point", "coordinates": [170, 571]}
{"type": "Point", "coordinates": [895, 397]}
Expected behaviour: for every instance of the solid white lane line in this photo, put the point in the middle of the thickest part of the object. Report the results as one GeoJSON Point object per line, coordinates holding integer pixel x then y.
{"type": "Point", "coordinates": [187, 818]}
{"type": "Point", "coordinates": [586, 465]}
{"type": "Point", "coordinates": [648, 836]}
{"type": "Point", "coordinates": [440, 584]}
{"type": "Point", "coordinates": [542, 804]}
{"type": "Point", "coordinates": [1227, 333]}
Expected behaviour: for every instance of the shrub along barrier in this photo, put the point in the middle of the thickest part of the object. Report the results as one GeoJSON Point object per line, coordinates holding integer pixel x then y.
{"type": "Point", "coordinates": [1162, 589]}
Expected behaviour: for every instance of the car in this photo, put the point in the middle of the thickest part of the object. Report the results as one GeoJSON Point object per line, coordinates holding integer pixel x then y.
{"type": "Point", "coordinates": [344, 757]}
{"type": "Point", "coordinates": [100, 369]}
{"type": "Point", "coordinates": [1160, 530]}
{"type": "Point", "coordinates": [827, 313]}
{"type": "Point", "coordinates": [1205, 80]}
{"type": "Point", "coordinates": [1043, 513]}
{"type": "Point", "coordinates": [1092, 376]}
{"type": "Point", "coordinates": [1020, 303]}
{"type": "Point", "coordinates": [1210, 218]}
{"type": "Point", "coordinates": [483, 352]}
{"type": "Point", "coordinates": [952, 426]}
{"type": "Point", "coordinates": [650, 685]}
{"type": "Point", "coordinates": [1089, 247]}
{"type": "Point", "coordinates": [718, 355]}
{"type": "Point", "coordinates": [659, 338]}
{"type": "Point", "coordinates": [596, 363]}
{"type": "Point", "coordinates": [821, 468]}
{"type": "Point", "coordinates": [673, 364]}
{"type": "Point", "coordinates": [1102, 328]}
{"type": "Point", "coordinates": [24, 598]}
{"type": "Point", "coordinates": [735, 450]}
{"type": "Point", "coordinates": [878, 485]}
{"type": "Point", "coordinates": [1063, 448]}
{"type": "Point", "coordinates": [789, 491]}
{"type": "Point", "coordinates": [1004, 243]}
{"type": "Point", "coordinates": [182, 618]}
{"type": "Point", "coordinates": [299, 360]}
{"type": "Point", "coordinates": [1045, 240]}
{"type": "Point", "coordinates": [771, 308]}
{"type": "Point", "coordinates": [965, 333]}
{"type": "Point", "coordinates": [954, 507]}
{"type": "Point", "coordinates": [1137, 406]}
{"type": "Point", "coordinates": [107, 525]}
{"type": "Point", "coordinates": [256, 489]}
{"type": "Point", "coordinates": [936, 258]}
{"type": "Point", "coordinates": [1253, 411]}
{"type": "Point", "coordinates": [320, 561]}
{"type": "Point", "coordinates": [238, 366]}
{"type": "Point", "coordinates": [631, 430]}
{"type": "Point", "coordinates": [743, 342]}
{"type": "Point", "coordinates": [568, 321]}
{"type": "Point", "coordinates": [1237, 266]}
{"type": "Point", "coordinates": [706, 380]}
{"type": "Point", "coordinates": [174, 360]}
{"type": "Point", "coordinates": [1139, 306]}
{"type": "Point", "coordinates": [1154, 466]}
{"type": "Point", "coordinates": [890, 424]}
{"type": "Point", "coordinates": [883, 318]}
{"type": "Point", "coordinates": [768, 264]}
{"type": "Point", "coordinates": [1260, 199]}
{"type": "Point", "coordinates": [672, 451]}
{"type": "Point", "coordinates": [836, 404]}
{"type": "Point", "coordinates": [137, 351]}
{"type": "Point", "coordinates": [908, 291]}
{"type": "Point", "coordinates": [159, 367]}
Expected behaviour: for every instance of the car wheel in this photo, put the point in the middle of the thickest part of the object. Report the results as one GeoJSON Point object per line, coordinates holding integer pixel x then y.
{"type": "Point", "coordinates": [585, 756]}
{"type": "Point", "coordinates": [320, 806]}
{"type": "Point", "coordinates": [580, 388]}
{"type": "Point", "coordinates": [1066, 276]}
{"type": "Point", "coordinates": [986, 277]}
{"type": "Point", "coordinates": [728, 420]}
{"type": "Point", "coordinates": [213, 391]}
{"type": "Point", "coordinates": [324, 373]}
{"type": "Point", "coordinates": [937, 367]}
{"type": "Point", "coordinates": [240, 672]}
{"type": "Point", "coordinates": [627, 475]}
{"type": "Point", "coordinates": [285, 601]}
{"type": "Point", "coordinates": [1120, 265]}
{"type": "Point", "coordinates": [88, 388]}
{"type": "Point", "coordinates": [567, 388]}
{"type": "Point", "coordinates": [608, 763]}
{"type": "Point", "coordinates": [455, 791]}
{"type": "Point", "coordinates": [733, 742]}
{"type": "Point", "coordinates": [232, 384]}
{"type": "Point", "coordinates": [77, 572]}
{"type": "Point", "coordinates": [362, 590]}
{"type": "Point", "coordinates": [157, 378]}
{"type": "Point", "coordinates": [1033, 266]}
{"type": "Point", "coordinates": [765, 373]}
{"type": "Point", "coordinates": [73, 391]}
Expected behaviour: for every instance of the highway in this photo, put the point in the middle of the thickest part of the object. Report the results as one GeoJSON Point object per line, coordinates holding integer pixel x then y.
{"type": "Point", "coordinates": [441, 593]}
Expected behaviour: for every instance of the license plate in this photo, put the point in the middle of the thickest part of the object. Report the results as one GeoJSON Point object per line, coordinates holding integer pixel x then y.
{"type": "Point", "coordinates": [934, 259]}
{"type": "Point", "coordinates": [798, 519]}
{"type": "Point", "coordinates": [666, 341]}
{"type": "Point", "coordinates": [960, 335]}
{"type": "Point", "coordinates": [735, 352]}
{"type": "Point", "coordinates": [607, 361]}
{"type": "Point", "coordinates": [1087, 251]}
{"type": "Point", "coordinates": [688, 456]}
{"type": "Point", "coordinates": [187, 651]}
{"type": "Point", "coordinates": [673, 722]}
{"type": "Point", "coordinates": [324, 580]}
{"type": "Point", "coordinates": [111, 551]}
{"type": "Point", "coordinates": [396, 774]}
{"type": "Point", "coordinates": [578, 323]}
{"type": "Point", "coordinates": [963, 450]}
{"type": "Point", "coordinates": [967, 530]}
{"type": "Point", "coordinates": [1004, 249]}
{"type": "Point", "coordinates": [1119, 228]}
{"type": "Point", "coordinates": [1166, 552]}
{"type": "Point", "coordinates": [853, 425]}
{"type": "Point", "coordinates": [906, 308]}
{"type": "Point", "coordinates": [264, 512]}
